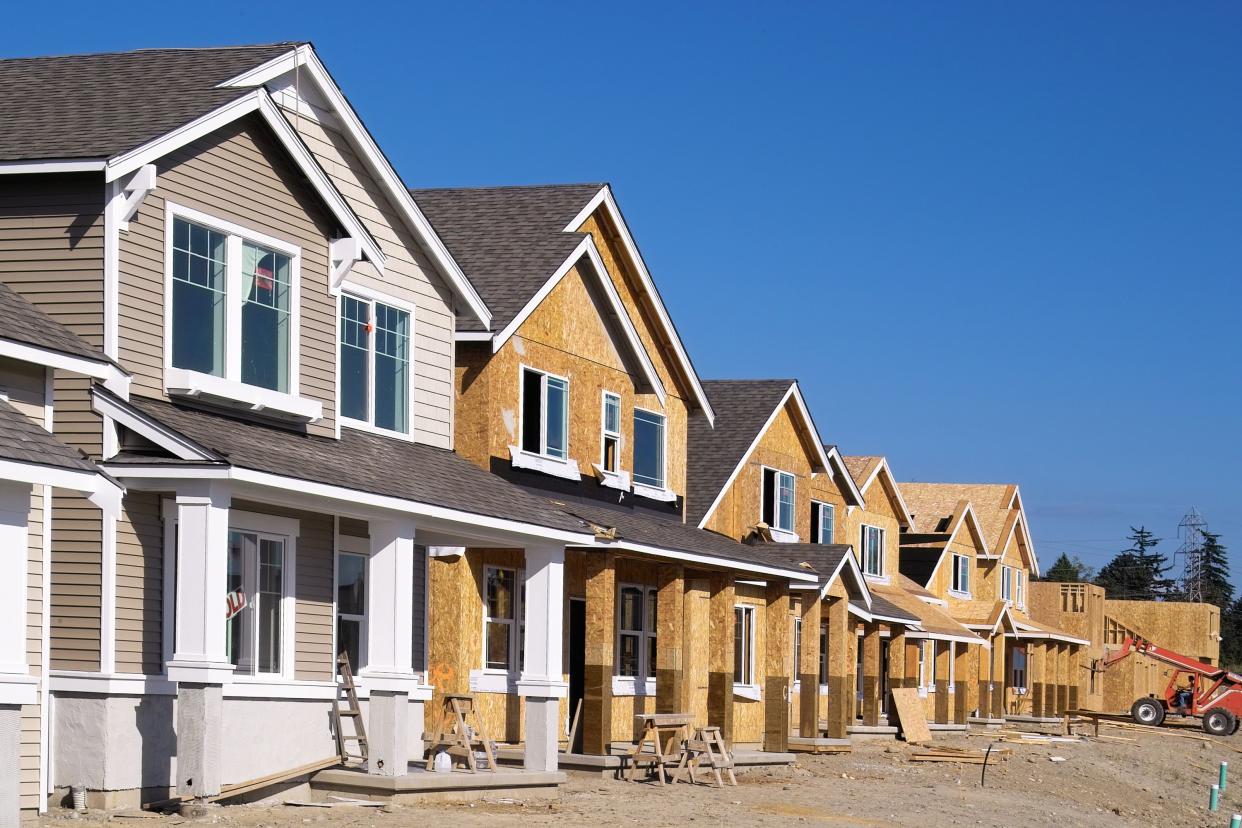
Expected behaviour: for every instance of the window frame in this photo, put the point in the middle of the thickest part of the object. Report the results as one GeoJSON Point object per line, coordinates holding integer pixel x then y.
{"type": "Point", "coordinates": [1015, 671]}
{"type": "Point", "coordinates": [1019, 592]}
{"type": "Point", "coordinates": [863, 528]}
{"type": "Point", "coordinates": [372, 297]}
{"type": "Point", "coordinates": [517, 624]}
{"type": "Point", "coordinates": [229, 384]}
{"type": "Point", "coordinates": [641, 487]}
{"type": "Point", "coordinates": [359, 548]}
{"type": "Point", "coordinates": [642, 684]}
{"type": "Point", "coordinates": [748, 649]}
{"type": "Point", "coordinates": [961, 565]}
{"type": "Point", "coordinates": [543, 413]}
{"type": "Point", "coordinates": [1007, 583]}
{"type": "Point", "coordinates": [779, 532]}
{"type": "Point", "coordinates": [818, 507]}
{"type": "Point", "coordinates": [286, 529]}
{"type": "Point", "coordinates": [605, 434]}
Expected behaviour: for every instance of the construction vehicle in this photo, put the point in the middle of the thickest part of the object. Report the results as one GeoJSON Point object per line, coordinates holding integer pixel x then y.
{"type": "Point", "coordinates": [1211, 694]}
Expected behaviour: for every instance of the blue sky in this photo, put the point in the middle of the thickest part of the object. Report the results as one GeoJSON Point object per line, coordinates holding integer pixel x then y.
{"type": "Point", "coordinates": [995, 242]}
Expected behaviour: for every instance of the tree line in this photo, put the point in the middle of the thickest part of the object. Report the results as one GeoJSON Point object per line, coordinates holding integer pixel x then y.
{"type": "Point", "coordinates": [1140, 572]}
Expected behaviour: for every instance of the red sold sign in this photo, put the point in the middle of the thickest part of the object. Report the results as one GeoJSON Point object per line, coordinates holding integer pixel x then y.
{"type": "Point", "coordinates": [236, 602]}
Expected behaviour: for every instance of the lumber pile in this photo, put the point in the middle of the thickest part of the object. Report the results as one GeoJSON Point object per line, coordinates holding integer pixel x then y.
{"type": "Point", "coordinates": [969, 756]}
{"type": "Point", "coordinates": [1021, 737]}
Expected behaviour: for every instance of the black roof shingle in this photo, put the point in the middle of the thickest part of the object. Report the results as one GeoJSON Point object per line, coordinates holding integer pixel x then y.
{"type": "Point", "coordinates": [103, 105]}
{"type": "Point", "coordinates": [25, 442]}
{"type": "Point", "coordinates": [23, 321]}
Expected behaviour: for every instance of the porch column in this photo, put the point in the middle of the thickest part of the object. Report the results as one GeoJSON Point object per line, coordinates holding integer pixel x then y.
{"type": "Point", "coordinates": [778, 668]}
{"type": "Point", "coordinates": [1037, 663]}
{"type": "Point", "coordinates": [961, 682]}
{"type": "Point", "coordinates": [17, 686]}
{"type": "Point", "coordinates": [542, 682]}
{"type": "Point", "coordinates": [896, 666]}
{"type": "Point", "coordinates": [1075, 675]}
{"type": "Point", "coordinates": [200, 664]}
{"type": "Point", "coordinates": [720, 654]}
{"type": "Point", "coordinates": [1000, 679]}
{"type": "Point", "coordinates": [601, 609]}
{"type": "Point", "coordinates": [671, 680]}
{"type": "Point", "coordinates": [983, 675]}
{"type": "Point", "coordinates": [840, 668]}
{"type": "Point", "coordinates": [912, 664]}
{"type": "Point", "coordinates": [808, 664]}
{"type": "Point", "coordinates": [942, 682]}
{"type": "Point", "coordinates": [389, 672]}
{"type": "Point", "coordinates": [1063, 678]}
{"type": "Point", "coordinates": [871, 674]}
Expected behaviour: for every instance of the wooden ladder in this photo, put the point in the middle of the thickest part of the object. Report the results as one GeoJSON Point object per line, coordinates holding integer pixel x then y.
{"type": "Point", "coordinates": [345, 685]}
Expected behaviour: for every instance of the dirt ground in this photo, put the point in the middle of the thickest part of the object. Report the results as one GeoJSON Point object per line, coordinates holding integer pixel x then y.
{"type": "Point", "coordinates": [1157, 779]}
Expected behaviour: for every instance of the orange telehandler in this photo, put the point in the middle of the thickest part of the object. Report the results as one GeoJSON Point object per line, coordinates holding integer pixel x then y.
{"type": "Point", "coordinates": [1212, 694]}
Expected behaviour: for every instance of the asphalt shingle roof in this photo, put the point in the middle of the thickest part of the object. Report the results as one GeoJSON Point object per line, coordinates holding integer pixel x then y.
{"type": "Point", "coordinates": [932, 502]}
{"type": "Point", "coordinates": [23, 321]}
{"type": "Point", "coordinates": [103, 105]}
{"type": "Point", "coordinates": [361, 461]}
{"type": "Point", "coordinates": [742, 407]}
{"type": "Point", "coordinates": [507, 240]}
{"type": "Point", "coordinates": [25, 442]}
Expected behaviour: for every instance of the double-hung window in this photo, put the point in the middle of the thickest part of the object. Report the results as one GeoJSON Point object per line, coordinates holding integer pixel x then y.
{"type": "Point", "coordinates": [257, 582]}
{"type": "Point", "coordinates": [375, 363]}
{"type": "Point", "coordinates": [232, 308]}
{"type": "Point", "coordinates": [744, 645]}
{"type": "Point", "coordinates": [922, 664]}
{"type": "Point", "coordinates": [610, 433]}
{"type": "Point", "coordinates": [872, 543]}
{"type": "Point", "coordinates": [636, 632]}
{"type": "Point", "coordinates": [823, 522]}
{"type": "Point", "coordinates": [1018, 596]}
{"type": "Point", "coordinates": [1017, 674]}
{"type": "Point", "coordinates": [545, 414]}
{"type": "Point", "coordinates": [961, 574]}
{"type": "Point", "coordinates": [778, 500]}
{"type": "Point", "coordinates": [502, 625]}
{"type": "Point", "coordinates": [351, 606]}
{"type": "Point", "coordinates": [823, 653]}
{"type": "Point", "coordinates": [1006, 583]}
{"type": "Point", "coordinates": [648, 448]}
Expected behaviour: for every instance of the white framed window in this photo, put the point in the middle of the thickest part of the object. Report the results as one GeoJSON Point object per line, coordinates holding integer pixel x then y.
{"type": "Point", "coordinates": [961, 574]}
{"type": "Point", "coordinates": [778, 500]}
{"type": "Point", "coordinates": [923, 665]}
{"type": "Point", "coordinates": [232, 311]}
{"type": "Point", "coordinates": [260, 574]}
{"type": "Point", "coordinates": [797, 646]}
{"type": "Point", "coordinates": [545, 414]}
{"type": "Point", "coordinates": [872, 546]}
{"type": "Point", "coordinates": [1017, 673]}
{"type": "Point", "coordinates": [610, 432]}
{"type": "Point", "coordinates": [351, 606]}
{"type": "Point", "coordinates": [823, 654]}
{"type": "Point", "coordinates": [823, 522]}
{"type": "Point", "coordinates": [1019, 597]}
{"type": "Point", "coordinates": [1006, 583]}
{"type": "Point", "coordinates": [636, 632]}
{"type": "Point", "coordinates": [744, 645]}
{"type": "Point", "coordinates": [503, 594]}
{"type": "Point", "coordinates": [376, 335]}
{"type": "Point", "coordinates": [649, 449]}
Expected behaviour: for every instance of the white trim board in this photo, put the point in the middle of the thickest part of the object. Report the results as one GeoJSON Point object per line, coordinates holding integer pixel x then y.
{"type": "Point", "coordinates": [114, 378]}
{"type": "Point", "coordinates": [53, 165]}
{"type": "Point", "coordinates": [305, 58]}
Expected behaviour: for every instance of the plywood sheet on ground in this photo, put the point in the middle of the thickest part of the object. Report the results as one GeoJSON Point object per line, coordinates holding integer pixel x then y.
{"type": "Point", "coordinates": [911, 716]}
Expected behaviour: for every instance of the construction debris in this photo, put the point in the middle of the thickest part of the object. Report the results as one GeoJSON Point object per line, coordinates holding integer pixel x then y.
{"type": "Point", "coordinates": [971, 756]}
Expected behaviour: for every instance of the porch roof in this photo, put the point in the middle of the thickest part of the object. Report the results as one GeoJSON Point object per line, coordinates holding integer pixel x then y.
{"type": "Point", "coordinates": [930, 619]}
{"type": "Point", "coordinates": [23, 441]}
{"type": "Point", "coordinates": [23, 321]}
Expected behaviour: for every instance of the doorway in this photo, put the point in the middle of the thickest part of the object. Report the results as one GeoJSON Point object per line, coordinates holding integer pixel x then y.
{"type": "Point", "coordinates": [577, 665]}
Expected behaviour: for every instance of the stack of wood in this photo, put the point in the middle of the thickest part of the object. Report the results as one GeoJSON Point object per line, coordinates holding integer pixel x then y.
{"type": "Point", "coordinates": [969, 756]}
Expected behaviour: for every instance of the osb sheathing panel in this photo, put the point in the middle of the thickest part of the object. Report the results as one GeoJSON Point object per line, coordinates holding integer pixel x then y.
{"type": "Point", "coordinates": [882, 512]}
{"type": "Point", "coordinates": [697, 637]}
{"type": "Point", "coordinates": [565, 336]}
{"type": "Point", "coordinates": [964, 543]}
{"type": "Point", "coordinates": [747, 713]}
{"type": "Point", "coordinates": [786, 446]}
{"type": "Point", "coordinates": [1190, 629]}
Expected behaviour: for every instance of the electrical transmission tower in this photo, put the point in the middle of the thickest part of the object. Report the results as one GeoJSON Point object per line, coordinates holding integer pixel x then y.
{"type": "Point", "coordinates": [1190, 530]}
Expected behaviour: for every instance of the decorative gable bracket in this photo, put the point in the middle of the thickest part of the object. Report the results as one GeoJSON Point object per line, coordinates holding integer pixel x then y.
{"type": "Point", "coordinates": [136, 190]}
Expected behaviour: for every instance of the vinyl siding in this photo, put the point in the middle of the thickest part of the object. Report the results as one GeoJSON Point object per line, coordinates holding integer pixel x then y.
{"type": "Point", "coordinates": [240, 174]}
{"type": "Point", "coordinates": [140, 584]}
{"type": "Point", "coordinates": [409, 275]}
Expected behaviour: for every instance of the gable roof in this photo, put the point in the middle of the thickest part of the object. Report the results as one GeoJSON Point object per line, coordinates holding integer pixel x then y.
{"type": "Point", "coordinates": [995, 505]}
{"type": "Point", "coordinates": [744, 411]}
{"type": "Point", "coordinates": [23, 441]}
{"type": "Point", "coordinates": [515, 242]}
{"type": "Point", "coordinates": [102, 105]}
{"type": "Point", "coordinates": [866, 468]}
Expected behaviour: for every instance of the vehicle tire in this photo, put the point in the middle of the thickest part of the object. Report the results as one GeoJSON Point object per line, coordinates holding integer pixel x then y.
{"type": "Point", "coordinates": [1219, 722]}
{"type": "Point", "coordinates": [1147, 712]}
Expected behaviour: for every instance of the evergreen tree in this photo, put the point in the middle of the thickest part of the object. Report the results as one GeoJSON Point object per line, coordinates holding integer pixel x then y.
{"type": "Point", "coordinates": [1137, 573]}
{"type": "Point", "coordinates": [1231, 635]}
{"type": "Point", "coordinates": [1068, 570]}
{"type": "Point", "coordinates": [1214, 577]}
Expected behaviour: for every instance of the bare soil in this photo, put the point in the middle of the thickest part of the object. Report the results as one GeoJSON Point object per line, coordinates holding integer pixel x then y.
{"type": "Point", "coordinates": [1159, 779]}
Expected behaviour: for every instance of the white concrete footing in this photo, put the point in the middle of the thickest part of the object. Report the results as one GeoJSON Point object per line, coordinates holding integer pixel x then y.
{"type": "Point", "coordinates": [387, 730]}
{"type": "Point", "coordinates": [10, 761]}
{"type": "Point", "coordinates": [542, 721]}
{"type": "Point", "coordinates": [200, 730]}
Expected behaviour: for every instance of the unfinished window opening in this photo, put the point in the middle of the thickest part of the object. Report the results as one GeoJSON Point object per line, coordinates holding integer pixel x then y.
{"type": "Point", "coordinates": [351, 606]}
{"type": "Point", "coordinates": [648, 448]}
{"type": "Point", "coordinates": [823, 522]}
{"type": "Point", "coordinates": [636, 632]}
{"type": "Point", "coordinates": [778, 500]}
{"type": "Point", "coordinates": [872, 545]}
{"type": "Point", "coordinates": [545, 414]}
{"type": "Point", "coordinates": [1017, 673]}
{"type": "Point", "coordinates": [961, 574]}
{"type": "Point", "coordinates": [375, 364]}
{"type": "Point", "coordinates": [744, 645]}
{"type": "Point", "coordinates": [255, 622]}
{"type": "Point", "coordinates": [610, 433]}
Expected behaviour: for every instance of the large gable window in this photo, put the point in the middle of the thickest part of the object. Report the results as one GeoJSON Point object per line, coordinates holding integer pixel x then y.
{"type": "Point", "coordinates": [823, 522]}
{"type": "Point", "coordinates": [232, 311]}
{"type": "Point", "coordinates": [545, 414]}
{"type": "Point", "coordinates": [375, 363]}
{"type": "Point", "coordinates": [961, 574]}
{"type": "Point", "coordinates": [872, 543]}
{"type": "Point", "coordinates": [778, 500]}
{"type": "Point", "coordinates": [649, 448]}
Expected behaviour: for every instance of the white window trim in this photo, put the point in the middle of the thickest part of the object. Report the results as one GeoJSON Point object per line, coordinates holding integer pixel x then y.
{"type": "Point", "coordinates": [780, 534]}
{"type": "Point", "coordinates": [863, 543]}
{"type": "Point", "coordinates": [366, 294]}
{"type": "Point", "coordinates": [543, 413]}
{"type": "Point", "coordinates": [952, 666]}
{"type": "Point", "coordinates": [515, 631]}
{"type": "Point", "coordinates": [288, 528]}
{"type": "Point", "coordinates": [955, 573]}
{"type": "Point", "coordinates": [748, 690]}
{"type": "Point", "coordinates": [822, 506]}
{"type": "Point", "coordinates": [1019, 586]}
{"type": "Point", "coordinates": [230, 387]}
{"type": "Point", "coordinates": [1007, 583]}
{"type": "Point", "coordinates": [349, 545]}
{"type": "Point", "coordinates": [642, 684]}
{"type": "Point", "coordinates": [649, 489]}
{"type": "Point", "coordinates": [923, 667]}
{"type": "Point", "coordinates": [617, 478]}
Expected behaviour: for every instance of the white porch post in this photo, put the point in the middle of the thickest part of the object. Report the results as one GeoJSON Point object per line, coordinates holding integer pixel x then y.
{"type": "Point", "coordinates": [396, 695]}
{"type": "Point", "coordinates": [542, 682]}
{"type": "Point", "coordinates": [17, 686]}
{"type": "Point", "coordinates": [200, 665]}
